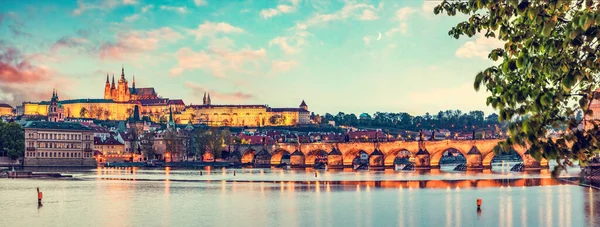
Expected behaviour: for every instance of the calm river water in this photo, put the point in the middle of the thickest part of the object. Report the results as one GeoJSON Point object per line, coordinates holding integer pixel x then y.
{"type": "Point", "coordinates": [273, 197]}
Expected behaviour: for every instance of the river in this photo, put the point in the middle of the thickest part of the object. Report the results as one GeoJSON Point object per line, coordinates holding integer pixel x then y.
{"type": "Point", "coordinates": [275, 197]}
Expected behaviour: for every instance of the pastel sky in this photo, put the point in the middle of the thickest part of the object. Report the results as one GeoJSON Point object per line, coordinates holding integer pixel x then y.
{"type": "Point", "coordinates": [275, 52]}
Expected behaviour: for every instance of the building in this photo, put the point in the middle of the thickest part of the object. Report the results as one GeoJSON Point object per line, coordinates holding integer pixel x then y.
{"type": "Point", "coordinates": [57, 144]}
{"type": "Point", "coordinates": [6, 110]}
{"type": "Point", "coordinates": [111, 149]}
{"type": "Point", "coordinates": [56, 112]}
{"type": "Point", "coordinates": [123, 93]}
{"type": "Point", "coordinates": [243, 115]}
{"type": "Point", "coordinates": [120, 100]}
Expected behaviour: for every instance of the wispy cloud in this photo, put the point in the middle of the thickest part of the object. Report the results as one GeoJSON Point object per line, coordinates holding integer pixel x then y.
{"type": "Point", "coordinates": [211, 29]}
{"type": "Point", "coordinates": [198, 91]}
{"type": "Point", "coordinates": [200, 2]}
{"type": "Point", "coordinates": [135, 41]}
{"type": "Point", "coordinates": [368, 15]}
{"type": "Point", "coordinates": [176, 9]}
{"type": "Point", "coordinates": [480, 47]}
{"type": "Point", "coordinates": [102, 5]}
{"type": "Point", "coordinates": [401, 16]}
{"type": "Point", "coordinates": [280, 9]}
{"type": "Point", "coordinates": [282, 65]}
{"type": "Point", "coordinates": [216, 61]}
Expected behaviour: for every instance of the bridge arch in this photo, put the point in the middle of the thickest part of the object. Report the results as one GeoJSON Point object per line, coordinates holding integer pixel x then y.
{"type": "Point", "coordinates": [392, 156]}
{"type": "Point", "coordinates": [280, 156]}
{"type": "Point", "coordinates": [248, 156]}
{"type": "Point", "coordinates": [355, 155]}
{"type": "Point", "coordinates": [436, 155]}
{"type": "Point", "coordinates": [315, 157]}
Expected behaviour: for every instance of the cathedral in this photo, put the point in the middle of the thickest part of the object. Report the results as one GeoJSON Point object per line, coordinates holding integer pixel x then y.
{"type": "Point", "coordinates": [123, 93]}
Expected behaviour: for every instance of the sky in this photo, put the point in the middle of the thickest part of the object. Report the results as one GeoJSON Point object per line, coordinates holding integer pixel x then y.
{"type": "Point", "coordinates": [348, 56]}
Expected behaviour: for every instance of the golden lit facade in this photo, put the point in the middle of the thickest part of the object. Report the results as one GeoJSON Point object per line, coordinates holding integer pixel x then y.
{"type": "Point", "coordinates": [244, 115]}
{"type": "Point", "coordinates": [6, 110]}
{"type": "Point", "coordinates": [121, 92]}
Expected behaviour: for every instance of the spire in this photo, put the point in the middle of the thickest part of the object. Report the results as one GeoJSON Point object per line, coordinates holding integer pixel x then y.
{"type": "Point", "coordinates": [113, 82]}
{"type": "Point", "coordinates": [204, 99]}
{"type": "Point", "coordinates": [122, 73]}
{"type": "Point", "coordinates": [208, 100]}
{"type": "Point", "coordinates": [133, 82]}
{"type": "Point", "coordinates": [107, 79]}
{"type": "Point", "coordinates": [171, 122]}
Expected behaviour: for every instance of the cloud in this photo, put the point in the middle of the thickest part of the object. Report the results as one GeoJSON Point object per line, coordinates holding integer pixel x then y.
{"type": "Point", "coordinates": [428, 6]}
{"type": "Point", "coordinates": [480, 47]}
{"type": "Point", "coordinates": [401, 16]}
{"type": "Point", "coordinates": [146, 8]}
{"type": "Point", "coordinates": [217, 61]}
{"type": "Point", "coordinates": [283, 66]}
{"type": "Point", "coordinates": [368, 15]}
{"type": "Point", "coordinates": [198, 91]}
{"type": "Point", "coordinates": [349, 10]}
{"type": "Point", "coordinates": [285, 44]}
{"type": "Point", "coordinates": [70, 42]}
{"type": "Point", "coordinates": [20, 79]}
{"type": "Point", "coordinates": [211, 29]}
{"type": "Point", "coordinates": [176, 9]}
{"type": "Point", "coordinates": [367, 40]}
{"type": "Point", "coordinates": [102, 5]}
{"type": "Point", "coordinates": [135, 41]}
{"type": "Point", "coordinates": [132, 18]}
{"type": "Point", "coordinates": [200, 2]}
{"type": "Point", "coordinates": [279, 9]}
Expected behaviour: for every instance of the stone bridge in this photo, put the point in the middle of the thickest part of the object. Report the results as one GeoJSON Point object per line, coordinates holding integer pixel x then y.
{"type": "Point", "coordinates": [424, 155]}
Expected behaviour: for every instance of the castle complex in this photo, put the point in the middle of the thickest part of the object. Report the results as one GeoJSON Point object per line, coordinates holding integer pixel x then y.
{"type": "Point", "coordinates": [120, 100]}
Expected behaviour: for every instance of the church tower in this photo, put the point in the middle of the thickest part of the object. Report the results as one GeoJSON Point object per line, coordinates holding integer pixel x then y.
{"type": "Point", "coordinates": [208, 102]}
{"type": "Point", "coordinates": [55, 112]}
{"type": "Point", "coordinates": [303, 106]}
{"type": "Point", "coordinates": [107, 94]}
{"type": "Point", "coordinates": [204, 99]}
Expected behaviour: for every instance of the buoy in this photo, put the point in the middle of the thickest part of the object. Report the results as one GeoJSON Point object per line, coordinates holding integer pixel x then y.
{"type": "Point", "coordinates": [234, 173]}
{"type": "Point", "coordinates": [40, 196]}
{"type": "Point", "coordinates": [479, 203]}
{"type": "Point", "coordinates": [200, 173]}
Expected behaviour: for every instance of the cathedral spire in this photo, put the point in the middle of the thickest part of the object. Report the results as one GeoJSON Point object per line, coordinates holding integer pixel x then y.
{"type": "Point", "coordinates": [204, 99]}
{"type": "Point", "coordinates": [107, 79]}
{"type": "Point", "coordinates": [133, 82]}
{"type": "Point", "coordinates": [208, 99]}
{"type": "Point", "coordinates": [122, 73]}
{"type": "Point", "coordinates": [113, 82]}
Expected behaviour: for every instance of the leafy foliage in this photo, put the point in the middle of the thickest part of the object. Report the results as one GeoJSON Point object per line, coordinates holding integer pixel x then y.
{"type": "Point", "coordinates": [547, 70]}
{"type": "Point", "coordinates": [454, 120]}
{"type": "Point", "coordinates": [12, 140]}
{"type": "Point", "coordinates": [212, 140]}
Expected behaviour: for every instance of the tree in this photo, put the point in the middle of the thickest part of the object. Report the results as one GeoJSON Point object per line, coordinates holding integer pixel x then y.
{"type": "Point", "coordinates": [12, 140]}
{"type": "Point", "coordinates": [147, 144]}
{"type": "Point", "coordinates": [173, 142]}
{"type": "Point", "coordinates": [212, 141]}
{"type": "Point", "coordinates": [547, 70]}
{"type": "Point", "coordinates": [83, 112]}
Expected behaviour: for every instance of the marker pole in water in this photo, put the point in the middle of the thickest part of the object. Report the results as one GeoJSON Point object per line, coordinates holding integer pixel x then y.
{"type": "Point", "coordinates": [200, 172]}
{"type": "Point", "coordinates": [40, 196]}
{"type": "Point", "coordinates": [234, 173]}
{"type": "Point", "coordinates": [479, 201]}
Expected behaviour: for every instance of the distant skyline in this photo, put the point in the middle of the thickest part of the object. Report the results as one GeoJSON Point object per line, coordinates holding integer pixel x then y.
{"type": "Point", "coordinates": [245, 52]}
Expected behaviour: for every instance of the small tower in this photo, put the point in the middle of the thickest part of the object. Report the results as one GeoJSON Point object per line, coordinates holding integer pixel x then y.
{"type": "Point", "coordinates": [107, 88]}
{"type": "Point", "coordinates": [55, 111]}
{"type": "Point", "coordinates": [171, 123]}
{"type": "Point", "coordinates": [133, 84]}
{"type": "Point", "coordinates": [303, 105]}
{"type": "Point", "coordinates": [204, 99]}
{"type": "Point", "coordinates": [208, 102]}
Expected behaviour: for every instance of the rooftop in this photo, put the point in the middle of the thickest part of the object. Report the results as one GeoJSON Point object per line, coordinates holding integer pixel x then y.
{"type": "Point", "coordinates": [74, 126]}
